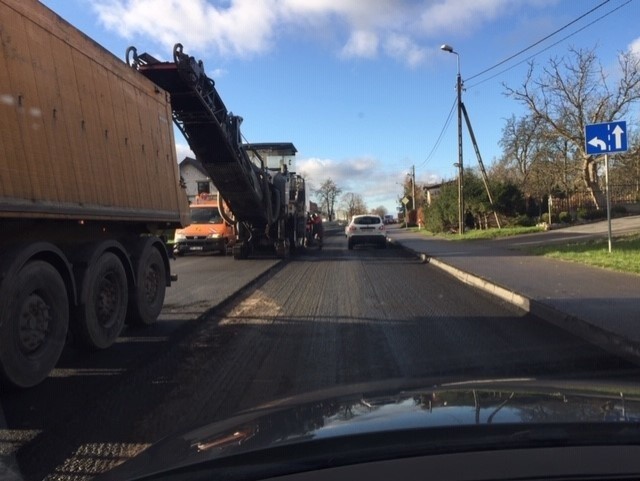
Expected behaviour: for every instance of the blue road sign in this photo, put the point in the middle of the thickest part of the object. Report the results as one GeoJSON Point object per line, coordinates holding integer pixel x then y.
{"type": "Point", "coordinates": [606, 138]}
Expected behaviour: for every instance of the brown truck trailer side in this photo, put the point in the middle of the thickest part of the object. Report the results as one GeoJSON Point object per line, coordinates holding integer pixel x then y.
{"type": "Point", "coordinates": [89, 184]}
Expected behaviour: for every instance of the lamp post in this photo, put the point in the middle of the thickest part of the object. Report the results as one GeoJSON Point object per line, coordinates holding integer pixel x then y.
{"type": "Point", "coordinates": [449, 48]}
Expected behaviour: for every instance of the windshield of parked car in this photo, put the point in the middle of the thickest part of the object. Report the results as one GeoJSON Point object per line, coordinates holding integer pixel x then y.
{"type": "Point", "coordinates": [473, 169]}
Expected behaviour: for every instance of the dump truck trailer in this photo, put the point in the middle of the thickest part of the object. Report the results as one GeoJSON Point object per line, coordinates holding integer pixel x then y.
{"type": "Point", "coordinates": [89, 192]}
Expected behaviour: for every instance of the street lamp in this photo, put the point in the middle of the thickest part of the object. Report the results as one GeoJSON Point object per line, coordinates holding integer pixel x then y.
{"type": "Point", "coordinates": [449, 48]}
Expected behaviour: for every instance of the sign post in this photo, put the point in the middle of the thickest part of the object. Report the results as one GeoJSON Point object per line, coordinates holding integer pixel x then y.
{"type": "Point", "coordinates": [606, 138]}
{"type": "Point", "coordinates": [405, 201]}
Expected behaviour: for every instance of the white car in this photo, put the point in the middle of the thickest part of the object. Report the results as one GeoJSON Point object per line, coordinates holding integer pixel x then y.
{"type": "Point", "coordinates": [366, 229]}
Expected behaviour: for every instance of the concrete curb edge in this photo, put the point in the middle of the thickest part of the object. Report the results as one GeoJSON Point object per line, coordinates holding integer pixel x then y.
{"type": "Point", "coordinates": [608, 341]}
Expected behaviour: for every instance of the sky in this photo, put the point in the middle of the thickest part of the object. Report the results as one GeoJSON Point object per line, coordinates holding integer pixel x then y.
{"type": "Point", "coordinates": [362, 88]}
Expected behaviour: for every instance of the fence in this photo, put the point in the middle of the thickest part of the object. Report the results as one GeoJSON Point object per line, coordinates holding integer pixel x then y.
{"type": "Point", "coordinates": [621, 194]}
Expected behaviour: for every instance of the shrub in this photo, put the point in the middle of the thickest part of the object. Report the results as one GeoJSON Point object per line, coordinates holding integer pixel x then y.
{"type": "Point", "coordinates": [618, 210]}
{"type": "Point", "coordinates": [523, 221]}
{"type": "Point", "coordinates": [545, 218]}
{"type": "Point", "coordinates": [591, 214]}
{"type": "Point", "coordinates": [565, 217]}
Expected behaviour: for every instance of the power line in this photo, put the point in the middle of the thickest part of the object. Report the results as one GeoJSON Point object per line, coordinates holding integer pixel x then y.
{"type": "Point", "coordinates": [444, 129]}
{"type": "Point", "coordinates": [549, 46]}
{"type": "Point", "coordinates": [502, 62]}
{"type": "Point", "coordinates": [539, 41]}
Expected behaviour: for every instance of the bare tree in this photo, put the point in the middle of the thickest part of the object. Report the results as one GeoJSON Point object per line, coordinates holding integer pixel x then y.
{"type": "Point", "coordinates": [327, 195]}
{"type": "Point", "coordinates": [574, 91]}
{"type": "Point", "coordinates": [520, 143]}
{"type": "Point", "coordinates": [381, 210]}
{"type": "Point", "coordinates": [353, 204]}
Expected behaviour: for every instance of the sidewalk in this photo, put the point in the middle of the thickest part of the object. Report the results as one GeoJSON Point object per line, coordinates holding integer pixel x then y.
{"type": "Point", "coordinates": [598, 305]}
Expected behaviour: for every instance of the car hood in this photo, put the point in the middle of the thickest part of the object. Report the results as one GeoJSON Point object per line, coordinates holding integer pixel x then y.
{"type": "Point", "coordinates": [202, 229]}
{"type": "Point", "coordinates": [386, 420]}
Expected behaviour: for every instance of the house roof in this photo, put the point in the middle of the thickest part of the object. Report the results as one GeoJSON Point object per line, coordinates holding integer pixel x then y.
{"type": "Point", "coordinates": [437, 186]}
{"type": "Point", "coordinates": [194, 163]}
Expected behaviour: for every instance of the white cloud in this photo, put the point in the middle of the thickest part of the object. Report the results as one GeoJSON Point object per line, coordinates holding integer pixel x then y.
{"type": "Point", "coordinates": [401, 47]}
{"type": "Point", "coordinates": [460, 15]}
{"type": "Point", "coordinates": [348, 173]}
{"type": "Point", "coordinates": [634, 47]}
{"type": "Point", "coordinates": [243, 28]}
{"type": "Point", "coordinates": [361, 44]}
{"type": "Point", "coordinates": [183, 150]}
{"type": "Point", "coordinates": [218, 73]}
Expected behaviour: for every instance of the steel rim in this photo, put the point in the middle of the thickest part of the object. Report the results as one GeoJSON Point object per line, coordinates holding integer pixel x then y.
{"type": "Point", "coordinates": [33, 326]}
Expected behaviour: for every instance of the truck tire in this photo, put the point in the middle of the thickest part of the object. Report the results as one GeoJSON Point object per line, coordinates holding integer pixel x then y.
{"type": "Point", "coordinates": [148, 294]}
{"type": "Point", "coordinates": [101, 316]}
{"type": "Point", "coordinates": [34, 319]}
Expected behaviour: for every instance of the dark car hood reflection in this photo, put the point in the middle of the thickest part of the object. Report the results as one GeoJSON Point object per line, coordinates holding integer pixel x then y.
{"type": "Point", "coordinates": [357, 413]}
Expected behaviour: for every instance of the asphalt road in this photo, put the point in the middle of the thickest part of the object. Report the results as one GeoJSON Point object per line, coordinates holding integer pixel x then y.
{"type": "Point", "coordinates": [326, 318]}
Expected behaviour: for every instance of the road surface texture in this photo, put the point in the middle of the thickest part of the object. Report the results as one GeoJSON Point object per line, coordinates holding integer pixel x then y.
{"type": "Point", "coordinates": [325, 318]}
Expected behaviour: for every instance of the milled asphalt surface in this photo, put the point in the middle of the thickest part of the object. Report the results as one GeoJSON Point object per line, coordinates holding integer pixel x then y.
{"type": "Point", "coordinates": [600, 306]}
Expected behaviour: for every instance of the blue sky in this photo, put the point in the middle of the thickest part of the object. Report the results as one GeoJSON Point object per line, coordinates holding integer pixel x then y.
{"type": "Point", "coordinates": [361, 87]}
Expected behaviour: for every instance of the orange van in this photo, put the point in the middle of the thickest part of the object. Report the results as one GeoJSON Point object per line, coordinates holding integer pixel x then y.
{"type": "Point", "coordinates": [208, 231]}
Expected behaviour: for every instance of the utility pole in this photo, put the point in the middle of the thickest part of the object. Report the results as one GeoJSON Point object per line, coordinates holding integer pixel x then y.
{"type": "Point", "coordinates": [413, 186]}
{"type": "Point", "coordinates": [460, 164]}
{"type": "Point", "coordinates": [449, 48]}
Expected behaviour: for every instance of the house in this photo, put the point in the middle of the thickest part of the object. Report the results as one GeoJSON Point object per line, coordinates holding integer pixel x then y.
{"type": "Point", "coordinates": [432, 191]}
{"type": "Point", "coordinates": [196, 178]}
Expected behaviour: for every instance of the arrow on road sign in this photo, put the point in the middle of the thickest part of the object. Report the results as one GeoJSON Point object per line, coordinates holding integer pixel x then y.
{"type": "Point", "coordinates": [600, 144]}
{"type": "Point", "coordinates": [617, 133]}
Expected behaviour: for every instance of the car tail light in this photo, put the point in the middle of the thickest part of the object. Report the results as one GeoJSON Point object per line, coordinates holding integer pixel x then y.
{"type": "Point", "coordinates": [381, 227]}
{"type": "Point", "coordinates": [352, 228]}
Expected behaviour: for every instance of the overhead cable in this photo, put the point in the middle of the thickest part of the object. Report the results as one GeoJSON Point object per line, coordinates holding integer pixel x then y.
{"type": "Point", "coordinates": [549, 46]}
{"type": "Point", "coordinates": [441, 135]}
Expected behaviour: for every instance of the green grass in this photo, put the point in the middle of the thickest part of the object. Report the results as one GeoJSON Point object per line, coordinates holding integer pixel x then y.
{"type": "Point", "coordinates": [624, 256]}
{"type": "Point", "coordinates": [475, 234]}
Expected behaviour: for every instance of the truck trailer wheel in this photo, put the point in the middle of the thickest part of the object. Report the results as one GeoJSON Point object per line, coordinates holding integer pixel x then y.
{"type": "Point", "coordinates": [241, 250]}
{"type": "Point", "coordinates": [151, 284]}
{"type": "Point", "coordinates": [34, 312]}
{"type": "Point", "coordinates": [102, 312]}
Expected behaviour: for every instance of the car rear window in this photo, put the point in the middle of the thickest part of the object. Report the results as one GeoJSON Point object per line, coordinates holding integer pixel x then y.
{"type": "Point", "coordinates": [367, 220]}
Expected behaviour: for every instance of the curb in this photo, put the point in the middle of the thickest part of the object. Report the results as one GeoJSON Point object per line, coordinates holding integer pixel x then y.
{"type": "Point", "coordinates": [608, 341]}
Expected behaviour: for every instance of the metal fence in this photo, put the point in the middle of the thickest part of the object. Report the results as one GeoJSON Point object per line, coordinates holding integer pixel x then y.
{"type": "Point", "coordinates": [621, 194]}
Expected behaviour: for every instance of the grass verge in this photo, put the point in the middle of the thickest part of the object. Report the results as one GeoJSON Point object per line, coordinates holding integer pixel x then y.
{"type": "Point", "coordinates": [624, 256]}
{"type": "Point", "coordinates": [476, 234]}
